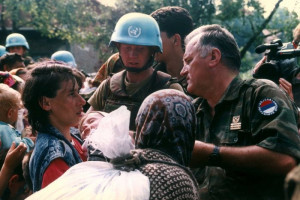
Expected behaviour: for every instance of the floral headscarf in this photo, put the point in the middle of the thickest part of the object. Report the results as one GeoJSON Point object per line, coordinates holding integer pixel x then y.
{"type": "Point", "coordinates": [166, 121]}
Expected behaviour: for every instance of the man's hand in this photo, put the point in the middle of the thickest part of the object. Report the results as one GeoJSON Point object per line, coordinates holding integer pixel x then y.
{"type": "Point", "coordinates": [257, 66]}
{"type": "Point", "coordinates": [13, 158]}
{"type": "Point", "coordinates": [15, 155]}
{"type": "Point", "coordinates": [287, 87]}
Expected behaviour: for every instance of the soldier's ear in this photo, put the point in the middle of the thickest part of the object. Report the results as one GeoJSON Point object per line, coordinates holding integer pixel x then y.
{"type": "Point", "coordinates": [177, 40]}
{"type": "Point", "coordinates": [215, 57]}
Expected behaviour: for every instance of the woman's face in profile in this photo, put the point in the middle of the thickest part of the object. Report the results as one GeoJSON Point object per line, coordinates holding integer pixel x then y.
{"type": "Point", "coordinates": [66, 108]}
{"type": "Point", "coordinates": [90, 123]}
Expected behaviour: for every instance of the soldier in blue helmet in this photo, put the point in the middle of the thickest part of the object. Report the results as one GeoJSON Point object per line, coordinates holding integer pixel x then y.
{"type": "Point", "coordinates": [17, 43]}
{"type": "Point", "coordinates": [137, 38]}
{"type": "Point", "coordinates": [64, 56]}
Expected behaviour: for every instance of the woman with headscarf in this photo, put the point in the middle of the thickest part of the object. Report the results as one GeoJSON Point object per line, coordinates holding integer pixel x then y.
{"type": "Point", "coordinates": [166, 122]}
{"type": "Point", "coordinates": [166, 134]}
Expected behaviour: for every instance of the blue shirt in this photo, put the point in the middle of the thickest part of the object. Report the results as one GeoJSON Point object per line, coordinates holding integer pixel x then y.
{"type": "Point", "coordinates": [9, 134]}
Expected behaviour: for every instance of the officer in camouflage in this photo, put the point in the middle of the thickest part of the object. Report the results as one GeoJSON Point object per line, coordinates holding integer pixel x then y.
{"type": "Point", "coordinates": [137, 37]}
{"type": "Point", "coordinates": [246, 129]}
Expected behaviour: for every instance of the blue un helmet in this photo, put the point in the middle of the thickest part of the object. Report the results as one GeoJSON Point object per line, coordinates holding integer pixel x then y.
{"type": "Point", "coordinates": [64, 56]}
{"type": "Point", "coordinates": [16, 39]}
{"type": "Point", "coordinates": [2, 50]}
{"type": "Point", "coordinates": [137, 29]}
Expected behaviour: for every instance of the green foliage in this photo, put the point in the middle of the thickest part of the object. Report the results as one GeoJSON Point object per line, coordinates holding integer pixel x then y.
{"type": "Point", "coordinates": [248, 63]}
{"type": "Point", "coordinates": [70, 20]}
{"type": "Point", "coordinates": [230, 9]}
{"type": "Point", "coordinates": [202, 11]}
{"type": "Point", "coordinates": [242, 18]}
{"type": "Point", "coordinates": [81, 21]}
{"type": "Point", "coordinates": [246, 75]}
{"type": "Point", "coordinates": [107, 20]}
{"type": "Point", "coordinates": [14, 9]}
{"type": "Point", "coordinates": [282, 24]}
{"type": "Point", "coordinates": [143, 6]}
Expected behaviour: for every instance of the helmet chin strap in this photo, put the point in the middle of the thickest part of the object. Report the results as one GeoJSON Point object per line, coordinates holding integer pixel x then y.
{"type": "Point", "coordinates": [138, 70]}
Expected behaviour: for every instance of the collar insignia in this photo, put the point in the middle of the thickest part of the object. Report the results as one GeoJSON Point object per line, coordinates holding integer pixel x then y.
{"type": "Point", "coordinates": [236, 124]}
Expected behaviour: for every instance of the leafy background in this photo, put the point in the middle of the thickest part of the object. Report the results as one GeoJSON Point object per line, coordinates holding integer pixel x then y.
{"type": "Point", "coordinates": [90, 22]}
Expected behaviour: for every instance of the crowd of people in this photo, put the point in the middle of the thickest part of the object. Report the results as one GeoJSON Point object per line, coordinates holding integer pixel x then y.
{"type": "Point", "coordinates": [167, 117]}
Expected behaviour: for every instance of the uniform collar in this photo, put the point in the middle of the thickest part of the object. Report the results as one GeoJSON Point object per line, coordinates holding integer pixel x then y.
{"type": "Point", "coordinates": [233, 90]}
{"type": "Point", "coordinates": [231, 93]}
{"type": "Point", "coordinates": [116, 83]}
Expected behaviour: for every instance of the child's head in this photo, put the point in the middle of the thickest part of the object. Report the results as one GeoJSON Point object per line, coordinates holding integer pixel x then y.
{"type": "Point", "coordinates": [10, 103]}
{"type": "Point", "coordinates": [89, 122]}
{"type": "Point", "coordinates": [11, 61]}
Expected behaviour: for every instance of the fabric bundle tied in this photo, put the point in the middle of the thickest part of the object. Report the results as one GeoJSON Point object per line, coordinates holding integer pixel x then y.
{"type": "Point", "coordinates": [115, 180]}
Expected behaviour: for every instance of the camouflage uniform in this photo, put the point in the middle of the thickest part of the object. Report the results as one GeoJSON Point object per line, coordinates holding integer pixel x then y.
{"type": "Point", "coordinates": [112, 65]}
{"type": "Point", "coordinates": [116, 91]}
{"type": "Point", "coordinates": [251, 112]}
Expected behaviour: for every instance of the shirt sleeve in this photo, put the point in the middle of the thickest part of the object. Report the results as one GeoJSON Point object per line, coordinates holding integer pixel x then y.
{"type": "Point", "coordinates": [29, 143]}
{"type": "Point", "coordinates": [105, 69]}
{"type": "Point", "coordinates": [274, 119]}
{"type": "Point", "coordinates": [56, 168]}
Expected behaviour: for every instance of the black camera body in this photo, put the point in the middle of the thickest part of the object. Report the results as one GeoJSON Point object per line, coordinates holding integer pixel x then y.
{"type": "Point", "coordinates": [277, 50]}
{"type": "Point", "coordinates": [281, 61]}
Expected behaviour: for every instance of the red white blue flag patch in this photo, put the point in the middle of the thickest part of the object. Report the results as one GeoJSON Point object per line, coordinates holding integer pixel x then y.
{"type": "Point", "coordinates": [267, 107]}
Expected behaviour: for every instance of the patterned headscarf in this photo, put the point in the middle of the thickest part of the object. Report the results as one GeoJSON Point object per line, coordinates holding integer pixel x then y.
{"type": "Point", "coordinates": [166, 121]}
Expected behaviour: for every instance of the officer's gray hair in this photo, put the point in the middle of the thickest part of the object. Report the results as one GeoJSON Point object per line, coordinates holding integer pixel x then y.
{"type": "Point", "coordinates": [214, 36]}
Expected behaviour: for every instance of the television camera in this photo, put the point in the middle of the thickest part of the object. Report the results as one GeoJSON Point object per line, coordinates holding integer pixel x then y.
{"type": "Point", "coordinates": [280, 61]}
{"type": "Point", "coordinates": [277, 51]}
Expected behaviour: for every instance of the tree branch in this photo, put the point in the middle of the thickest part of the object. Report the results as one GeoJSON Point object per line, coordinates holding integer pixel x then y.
{"type": "Point", "coordinates": [259, 30]}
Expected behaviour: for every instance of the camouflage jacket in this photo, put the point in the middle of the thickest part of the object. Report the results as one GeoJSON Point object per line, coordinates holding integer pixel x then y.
{"type": "Point", "coordinates": [251, 112]}
{"type": "Point", "coordinates": [112, 65]}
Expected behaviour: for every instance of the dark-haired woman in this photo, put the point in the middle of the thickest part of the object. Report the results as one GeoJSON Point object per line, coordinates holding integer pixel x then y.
{"type": "Point", "coordinates": [54, 106]}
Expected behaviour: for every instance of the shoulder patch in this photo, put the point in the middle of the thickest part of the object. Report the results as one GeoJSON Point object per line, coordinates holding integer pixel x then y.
{"type": "Point", "coordinates": [267, 107]}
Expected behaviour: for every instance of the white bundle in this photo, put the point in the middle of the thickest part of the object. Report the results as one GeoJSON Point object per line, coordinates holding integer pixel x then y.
{"type": "Point", "coordinates": [100, 180]}
{"type": "Point", "coordinates": [96, 180]}
{"type": "Point", "coordinates": [112, 134]}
